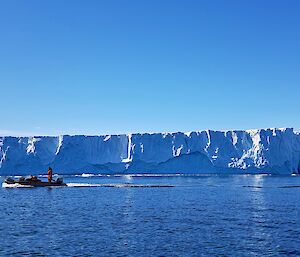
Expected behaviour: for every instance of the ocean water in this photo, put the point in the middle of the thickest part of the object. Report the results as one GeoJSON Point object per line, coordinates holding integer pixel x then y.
{"type": "Point", "coordinates": [199, 216]}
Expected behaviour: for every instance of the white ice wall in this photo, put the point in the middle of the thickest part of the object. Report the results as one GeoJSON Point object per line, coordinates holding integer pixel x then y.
{"type": "Point", "coordinates": [265, 150]}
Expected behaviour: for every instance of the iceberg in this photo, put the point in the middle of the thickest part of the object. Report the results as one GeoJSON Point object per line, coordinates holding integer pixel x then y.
{"type": "Point", "coordinates": [271, 151]}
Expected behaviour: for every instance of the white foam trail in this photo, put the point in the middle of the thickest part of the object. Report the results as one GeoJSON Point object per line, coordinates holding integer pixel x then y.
{"type": "Point", "coordinates": [5, 185]}
{"type": "Point", "coordinates": [113, 185]}
{"type": "Point", "coordinates": [130, 176]}
{"type": "Point", "coordinates": [82, 185]}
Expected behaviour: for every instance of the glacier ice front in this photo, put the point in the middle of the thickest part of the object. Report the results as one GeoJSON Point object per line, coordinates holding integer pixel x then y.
{"type": "Point", "coordinates": [275, 151]}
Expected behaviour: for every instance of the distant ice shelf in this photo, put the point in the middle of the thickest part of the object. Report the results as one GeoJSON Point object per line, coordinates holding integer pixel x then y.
{"type": "Point", "coordinates": [273, 151]}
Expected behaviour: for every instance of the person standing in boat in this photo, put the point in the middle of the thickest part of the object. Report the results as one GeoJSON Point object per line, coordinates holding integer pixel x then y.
{"type": "Point", "coordinates": [50, 173]}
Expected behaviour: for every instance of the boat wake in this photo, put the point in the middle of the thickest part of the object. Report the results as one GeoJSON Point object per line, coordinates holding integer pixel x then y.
{"type": "Point", "coordinates": [87, 175]}
{"type": "Point", "coordinates": [6, 185]}
{"type": "Point", "coordinates": [114, 185]}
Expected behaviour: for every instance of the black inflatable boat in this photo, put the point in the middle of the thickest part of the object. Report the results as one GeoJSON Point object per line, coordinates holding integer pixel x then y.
{"type": "Point", "coordinates": [34, 181]}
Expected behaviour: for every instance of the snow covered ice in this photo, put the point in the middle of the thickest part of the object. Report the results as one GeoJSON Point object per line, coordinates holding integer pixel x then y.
{"type": "Point", "coordinates": [275, 151]}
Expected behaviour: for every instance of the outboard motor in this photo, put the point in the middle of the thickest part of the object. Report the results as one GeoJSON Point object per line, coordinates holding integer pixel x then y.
{"type": "Point", "coordinates": [59, 180]}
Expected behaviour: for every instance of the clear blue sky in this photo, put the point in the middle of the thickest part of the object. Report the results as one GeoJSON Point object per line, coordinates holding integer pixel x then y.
{"type": "Point", "coordinates": [97, 67]}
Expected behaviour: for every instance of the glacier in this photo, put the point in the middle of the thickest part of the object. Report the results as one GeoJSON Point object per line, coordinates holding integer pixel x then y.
{"type": "Point", "coordinates": [272, 151]}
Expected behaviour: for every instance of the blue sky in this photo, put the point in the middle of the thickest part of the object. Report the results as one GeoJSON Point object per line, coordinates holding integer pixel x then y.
{"type": "Point", "coordinates": [102, 67]}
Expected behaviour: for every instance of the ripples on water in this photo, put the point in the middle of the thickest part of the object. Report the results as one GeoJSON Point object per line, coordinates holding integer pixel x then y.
{"type": "Point", "coordinates": [199, 216]}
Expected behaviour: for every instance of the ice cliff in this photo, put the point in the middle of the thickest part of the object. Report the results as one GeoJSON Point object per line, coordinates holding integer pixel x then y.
{"type": "Point", "coordinates": [275, 151]}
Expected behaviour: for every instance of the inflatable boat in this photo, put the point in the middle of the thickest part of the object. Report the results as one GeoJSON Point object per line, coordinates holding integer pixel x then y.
{"type": "Point", "coordinates": [33, 181]}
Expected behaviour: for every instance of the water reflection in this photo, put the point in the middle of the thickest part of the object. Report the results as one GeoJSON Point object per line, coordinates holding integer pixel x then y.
{"type": "Point", "coordinates": [127, 220]}
{"type": "Point", "coordinates": [259, 221]}
{"type": "Point", "coordinates": [127, 178]}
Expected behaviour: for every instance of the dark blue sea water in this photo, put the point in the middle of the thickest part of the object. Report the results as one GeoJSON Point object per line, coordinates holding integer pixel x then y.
{"type": "Point", "coordinates": [199, 216]}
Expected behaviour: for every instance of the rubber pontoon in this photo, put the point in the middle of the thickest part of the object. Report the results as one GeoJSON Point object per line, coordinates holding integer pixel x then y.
{"type": "Point", "coordinates": [34, 182]}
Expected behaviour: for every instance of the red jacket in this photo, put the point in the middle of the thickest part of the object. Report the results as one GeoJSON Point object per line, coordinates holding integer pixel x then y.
{"type": "Point", "coordinates": [50, 174]}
